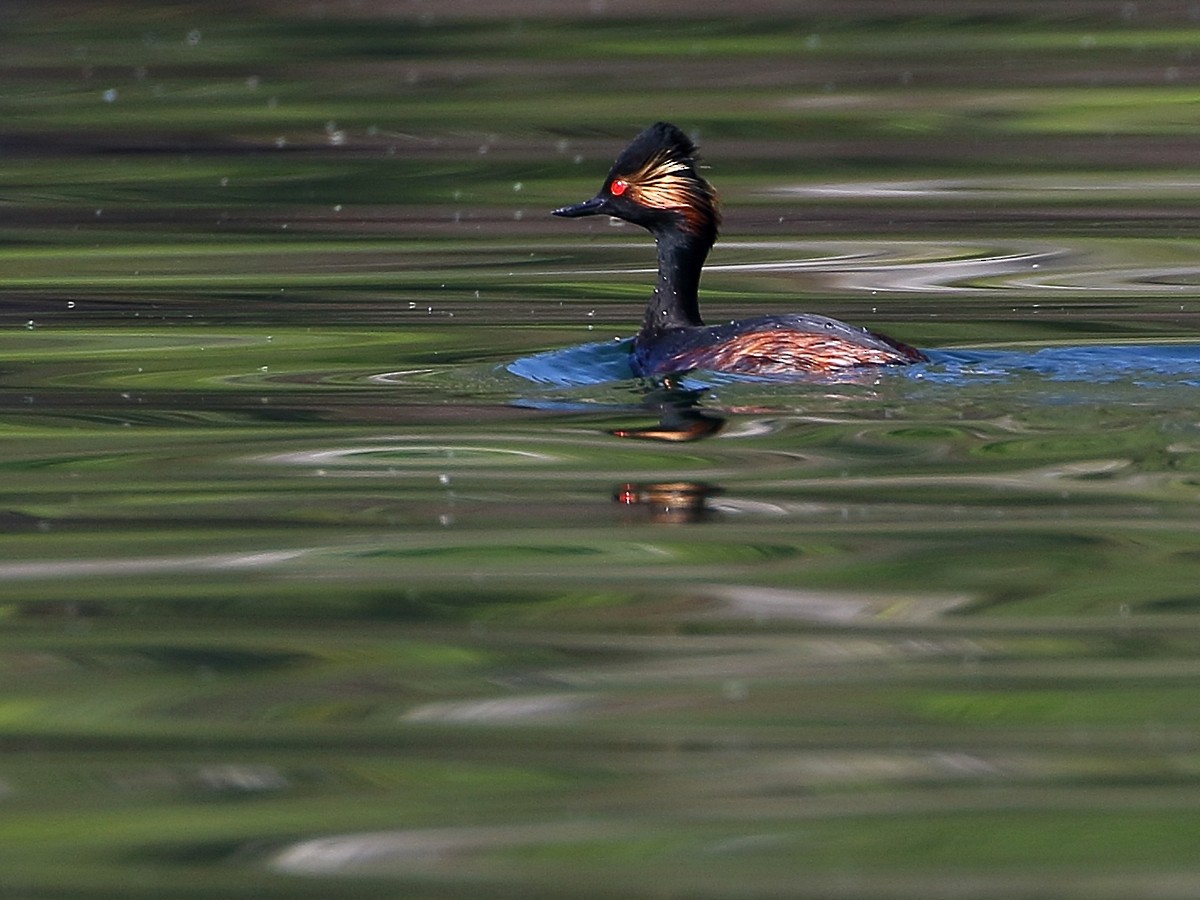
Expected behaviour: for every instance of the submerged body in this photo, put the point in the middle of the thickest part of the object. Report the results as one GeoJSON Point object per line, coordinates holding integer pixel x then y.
{"type": "Point", "coordinates": [655, 183]}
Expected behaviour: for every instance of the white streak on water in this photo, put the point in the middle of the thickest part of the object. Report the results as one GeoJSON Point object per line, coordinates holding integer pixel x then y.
{"type": "Point", "coordinates": [409, 454]}
{"type": "Point", "coordinates": [58, 568]}
{"type": "Point", "coordinates": [525, 708]}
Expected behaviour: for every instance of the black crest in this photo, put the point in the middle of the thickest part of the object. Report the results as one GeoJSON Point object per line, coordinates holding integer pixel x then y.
{"type": "Point", "coordinates": [659, 171]}
{"type": "Point", "coordinates": [661, 142]}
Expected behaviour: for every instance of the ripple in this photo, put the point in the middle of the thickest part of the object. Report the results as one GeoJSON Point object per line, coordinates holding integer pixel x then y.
{"type": "Point", "coordinates": [421, 455]}
{"type": "Point", "coordinates": [903, 266]}
{"type": "Point", "coordinates": [1039, 189]}
{"type": "Point", "coordinates": [1163, 280]}
{"type": "Point", "coordinates": [920, 266]}
{"type": "Point", "coordinates": [906, 266]}
{"type": "Point", "coordinates": [387, 849]}
{"type": "Point", "coordinates": [815, 606]}
{"type": "Point", "coordinates": [59, 568]}
{"type": "Point", "coordinates": [401, 375]}
{"type": "Point", "coordinates": [945, 275]}
{"type": "Point", "coordinates": [537, 708]}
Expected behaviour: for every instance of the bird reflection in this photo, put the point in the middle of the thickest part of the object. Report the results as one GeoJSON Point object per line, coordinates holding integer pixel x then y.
{"type": "Point", "coordinates": [667, 502]}
{"type": "Point", "coordinates": [679, 417]}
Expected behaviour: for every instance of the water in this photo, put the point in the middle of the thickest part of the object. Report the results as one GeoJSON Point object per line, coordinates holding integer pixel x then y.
{"type": "Point", "coordinates": [340, 553]}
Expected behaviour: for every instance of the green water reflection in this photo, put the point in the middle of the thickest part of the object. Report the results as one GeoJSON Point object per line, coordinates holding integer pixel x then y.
{"type": "Point", "coordinates": [303, 592]}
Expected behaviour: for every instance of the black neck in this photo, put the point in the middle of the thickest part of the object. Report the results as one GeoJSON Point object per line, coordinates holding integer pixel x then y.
{"type": "Point", "coordinates": [674, 304]}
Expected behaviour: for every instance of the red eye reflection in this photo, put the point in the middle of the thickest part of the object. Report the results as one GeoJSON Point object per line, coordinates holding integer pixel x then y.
{"type": "Point", "coordinates": [618, 187]}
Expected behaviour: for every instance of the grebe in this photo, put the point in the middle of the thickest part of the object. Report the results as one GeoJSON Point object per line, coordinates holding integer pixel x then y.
{"type": "Point", "coordinates": [654, 183]}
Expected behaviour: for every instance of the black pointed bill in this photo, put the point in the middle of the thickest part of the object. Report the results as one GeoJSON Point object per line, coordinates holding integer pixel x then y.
{"type": "Point", "coordinates": [592, 207]}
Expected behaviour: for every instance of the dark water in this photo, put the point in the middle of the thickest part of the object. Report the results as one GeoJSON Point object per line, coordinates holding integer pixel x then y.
{"type": "Point", "coordinates": [324, 573]}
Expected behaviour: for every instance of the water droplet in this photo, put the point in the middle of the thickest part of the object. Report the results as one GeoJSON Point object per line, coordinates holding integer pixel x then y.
{"type": "Point", "coordinates": [734, 689]}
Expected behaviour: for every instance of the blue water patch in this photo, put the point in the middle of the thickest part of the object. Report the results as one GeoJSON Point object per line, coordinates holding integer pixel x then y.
{"type": "Point", "coordinates": [1138, 364]}
{"type": "Point", "coordinates": [599, 363]}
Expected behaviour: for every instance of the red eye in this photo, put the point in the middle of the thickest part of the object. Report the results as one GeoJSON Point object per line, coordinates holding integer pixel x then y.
{"type": "Point", "coordinates": [618, 187]}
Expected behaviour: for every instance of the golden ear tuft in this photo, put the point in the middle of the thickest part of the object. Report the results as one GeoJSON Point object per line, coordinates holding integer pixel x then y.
{"type": "Point", "coordinates": [668, 183]}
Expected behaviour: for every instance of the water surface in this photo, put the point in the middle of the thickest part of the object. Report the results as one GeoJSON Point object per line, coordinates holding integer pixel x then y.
{"type": "Point", "coordinates": [324, 571]}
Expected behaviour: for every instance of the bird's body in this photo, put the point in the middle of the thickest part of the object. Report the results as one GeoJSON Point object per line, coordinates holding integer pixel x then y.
{"type": "Point", "coordinates": [768, 345]}
{"type": "Point", "coordinates": [655, 183]}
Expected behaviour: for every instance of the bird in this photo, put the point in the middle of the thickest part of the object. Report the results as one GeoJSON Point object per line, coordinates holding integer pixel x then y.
{"type": "Point", "coordinates": [655, 183]}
